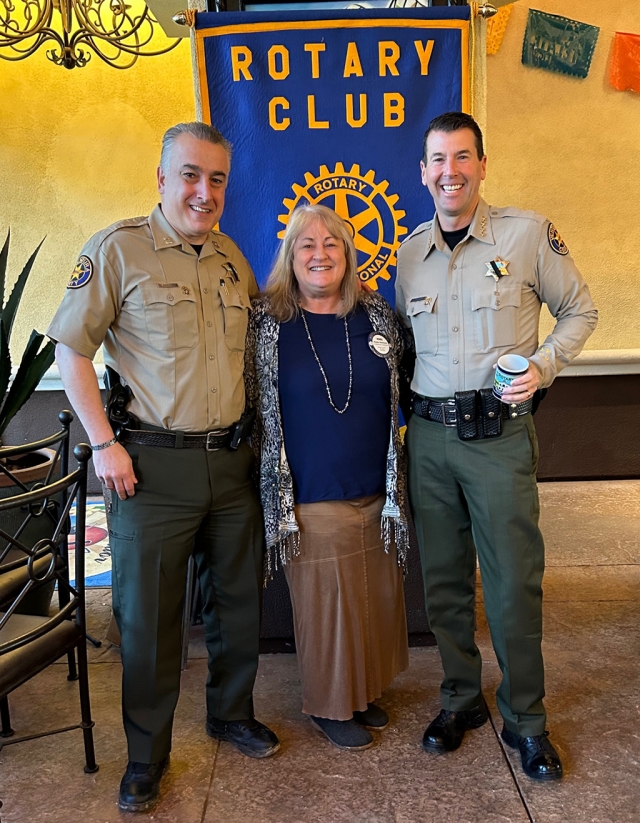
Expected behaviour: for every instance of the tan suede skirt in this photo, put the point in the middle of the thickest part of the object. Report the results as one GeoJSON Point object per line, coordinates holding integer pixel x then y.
{"type": "Point", "coordinates": [348, 607]}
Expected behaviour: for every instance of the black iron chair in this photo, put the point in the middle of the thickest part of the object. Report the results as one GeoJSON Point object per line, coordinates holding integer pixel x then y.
{"type": "Point", "coordinates": [31, 523]}
{"type": "Point", "coordinates": [30, 643]}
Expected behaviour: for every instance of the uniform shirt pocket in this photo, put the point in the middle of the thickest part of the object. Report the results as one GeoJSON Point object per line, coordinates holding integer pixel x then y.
{"type": "Point", "coordinates": [171, 315]}
{"type": "Point", "coordinates": [496, 316]}
{"type": "Point", "coordinates": [236, 315]}
{"type": "Point", "coordinates": [424, 321]}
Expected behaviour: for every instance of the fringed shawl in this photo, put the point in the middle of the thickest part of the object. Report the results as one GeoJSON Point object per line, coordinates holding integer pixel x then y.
{"type": "Point", "coordinates": [276, 483]}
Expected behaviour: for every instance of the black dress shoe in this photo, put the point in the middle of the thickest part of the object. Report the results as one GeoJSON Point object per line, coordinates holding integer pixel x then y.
{"type": "Point", "coordinates": [248, 736]}
{"type": "Point", "coordinates": [445, 733]}
{"type": "Point", "coordinates": [140, 785]}
{"type": "Point", "coordinates": [539, 759]}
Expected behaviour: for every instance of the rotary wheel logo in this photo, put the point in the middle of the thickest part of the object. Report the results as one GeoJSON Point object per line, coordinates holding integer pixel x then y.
{"type": "Point", "coordinates": [367, 209]}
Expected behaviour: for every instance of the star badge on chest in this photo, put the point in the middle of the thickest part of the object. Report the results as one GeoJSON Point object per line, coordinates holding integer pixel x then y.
{"type": "Point", "coordinates": [497, 268]}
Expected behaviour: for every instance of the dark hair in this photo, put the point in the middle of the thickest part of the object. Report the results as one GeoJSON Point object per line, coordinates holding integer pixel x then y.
{"type": "Point", "coordinates": [201, 131]}
{"type": "Point", "coordinates": [454, 121]}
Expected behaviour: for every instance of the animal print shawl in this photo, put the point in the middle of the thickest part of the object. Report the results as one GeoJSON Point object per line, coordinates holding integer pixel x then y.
{"type": "Point", "coordinates": [275, 480]}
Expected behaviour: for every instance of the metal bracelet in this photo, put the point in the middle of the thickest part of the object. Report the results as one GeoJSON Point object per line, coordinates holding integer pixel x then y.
{"type": "Point", "coordinates": [104, 445]}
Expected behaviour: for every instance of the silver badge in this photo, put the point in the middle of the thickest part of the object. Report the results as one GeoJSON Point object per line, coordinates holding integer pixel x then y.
{"type": "Point", "coordinates": [379, 344]}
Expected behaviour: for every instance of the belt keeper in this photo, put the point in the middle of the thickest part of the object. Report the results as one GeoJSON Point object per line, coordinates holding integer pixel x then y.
{"type": "Point", "coordinates": [179, 444]}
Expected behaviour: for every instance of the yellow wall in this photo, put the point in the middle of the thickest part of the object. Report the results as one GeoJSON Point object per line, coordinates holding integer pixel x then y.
{"type": "Point", "coordinates": [568, 148]}
{"type": "Point", "coordinates": [78, 150]}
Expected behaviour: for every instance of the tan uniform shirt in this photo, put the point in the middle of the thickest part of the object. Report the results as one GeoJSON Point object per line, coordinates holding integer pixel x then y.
{"type": "Point", "coordinates": [463, 320]}
{"type": "Point", "coordinates": [173, 323]}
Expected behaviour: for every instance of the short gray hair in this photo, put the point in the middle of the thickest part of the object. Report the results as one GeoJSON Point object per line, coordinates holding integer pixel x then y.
{"type": "Point", "coordinates": [201, 131]}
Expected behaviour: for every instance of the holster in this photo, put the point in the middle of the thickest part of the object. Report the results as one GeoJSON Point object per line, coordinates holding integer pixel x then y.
{"type": "Point", "coordinates": [118, 398]}
{"type": "Point", "coordinates": [242, 428]}
{"type": "Point", "coordinates": [478, 415]}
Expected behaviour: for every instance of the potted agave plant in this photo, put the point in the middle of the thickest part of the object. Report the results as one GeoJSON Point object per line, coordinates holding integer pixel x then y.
{"type": "Point", "coordinates": [36, 357]}
{"type": "Point", "coordinates": [31, 467]}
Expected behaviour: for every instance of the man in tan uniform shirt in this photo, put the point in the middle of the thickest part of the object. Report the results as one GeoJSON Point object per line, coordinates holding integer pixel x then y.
{"type": "Point", "coordinates": [169, 298]}
{"type": "Point", "coordinates": [470, 286]}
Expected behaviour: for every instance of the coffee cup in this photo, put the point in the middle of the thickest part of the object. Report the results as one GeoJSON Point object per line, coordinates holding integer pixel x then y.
{"type": "Point", "coordinates": [509, 367]}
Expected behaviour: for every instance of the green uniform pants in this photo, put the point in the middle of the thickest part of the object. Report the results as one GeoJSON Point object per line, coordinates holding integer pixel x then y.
{"type": "Point", "coordinates": [482, 495]}
{"type": "Point", "coordinates": [186, 502]}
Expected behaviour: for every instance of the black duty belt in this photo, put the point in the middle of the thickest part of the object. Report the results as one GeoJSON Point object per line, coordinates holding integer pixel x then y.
{"type": "Point", "coordinates": [445, 411]}
{"type": "Point", "coordinates": [475, 414]}
{"type": "Point", "coordinates": [211, 441]}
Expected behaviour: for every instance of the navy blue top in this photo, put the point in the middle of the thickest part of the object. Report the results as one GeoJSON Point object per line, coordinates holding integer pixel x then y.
{"type": "Point", "coordinates": [333, 456]}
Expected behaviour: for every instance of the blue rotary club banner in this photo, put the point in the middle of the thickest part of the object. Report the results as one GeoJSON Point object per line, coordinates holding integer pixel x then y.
{"type": "Point", "coordinates": [330, 108]}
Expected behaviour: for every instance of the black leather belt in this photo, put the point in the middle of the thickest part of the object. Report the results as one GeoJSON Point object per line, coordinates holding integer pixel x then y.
{"type": "Point", "coordinates": [444, 411]}
{"type": "Point", "coordinates": [440, 411]}
{"type": "Point", "coordinates": [211, 441]}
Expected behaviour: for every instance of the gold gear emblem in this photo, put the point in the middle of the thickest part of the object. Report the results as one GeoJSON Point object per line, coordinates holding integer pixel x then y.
{"type": "Point", "coordinates": [366, 208]}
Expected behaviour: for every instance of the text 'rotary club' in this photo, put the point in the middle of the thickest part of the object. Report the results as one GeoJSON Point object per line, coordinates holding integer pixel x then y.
{"type": "Point", "coordinates": [356, 105]}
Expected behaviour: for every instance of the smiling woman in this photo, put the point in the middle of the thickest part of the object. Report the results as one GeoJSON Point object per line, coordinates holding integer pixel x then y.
{"type": "Point", "coordinates": [316, 268]}
{"type": "Point", "coordinates": [325, 358]}
{"type": "Point", "coordinates": [319, 265]}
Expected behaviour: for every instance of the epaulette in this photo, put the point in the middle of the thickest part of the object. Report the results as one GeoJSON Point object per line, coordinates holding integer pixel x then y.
{"type": "Point", "coordinates": [419, 230]}
{"type": "Point", "coordinates": [223, 236]}
{"type": "Point", "coordinates": [511, 211]}
{"type": "Point", "coordinates": [102, 235]}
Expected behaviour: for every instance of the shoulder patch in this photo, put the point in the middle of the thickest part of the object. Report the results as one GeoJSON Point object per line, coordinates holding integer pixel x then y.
{"type": "Point", "coordinates": [555, 241]}
{"type": "Point", "coordinates": [82, 273]}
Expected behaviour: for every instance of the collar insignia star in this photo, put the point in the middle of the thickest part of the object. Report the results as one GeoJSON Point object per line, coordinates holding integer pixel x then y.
{"type": "Point", "coordinates": [497, 268]}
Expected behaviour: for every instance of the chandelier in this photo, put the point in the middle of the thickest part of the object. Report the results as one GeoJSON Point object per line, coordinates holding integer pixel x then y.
{"type": "Point", "coordinates": [118, 31]}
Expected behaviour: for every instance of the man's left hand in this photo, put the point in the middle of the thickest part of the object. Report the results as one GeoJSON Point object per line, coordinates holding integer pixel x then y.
{"type": "Point", "coordinates": [523, 387]}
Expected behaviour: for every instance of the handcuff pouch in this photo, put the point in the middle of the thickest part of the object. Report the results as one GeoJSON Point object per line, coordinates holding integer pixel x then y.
{"type": "Point", "coordinates": [490, 414]}
{"type": "Point", "coordinates": [466, 415]}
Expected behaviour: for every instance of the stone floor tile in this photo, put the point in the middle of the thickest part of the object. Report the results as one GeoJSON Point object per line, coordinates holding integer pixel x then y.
{"type": "Point", "coordinates": [593, 700]}
{"type": "Point", "coordinates": [591, 522]}
{"type": "Point", "coordinates": [586, 584]}
{"type": "Point", "coordinates": [395, 781]}
{"type": "Point", "coordinates": [62, 792]}
{"type": "Point", "coordinates": [591, 637]}
{"type": "Point", "coordinates": [591, 583]}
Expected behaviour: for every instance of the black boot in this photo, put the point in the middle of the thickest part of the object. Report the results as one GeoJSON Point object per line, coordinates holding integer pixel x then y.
{"type": "Point", "coordinates": [445, 733]}
{"type": "Point", "coordinates": [539, 759]}
{"type": "Point", "coordinates": [140, 785]}
{"type": "Point", "coordinates": [248, 736]}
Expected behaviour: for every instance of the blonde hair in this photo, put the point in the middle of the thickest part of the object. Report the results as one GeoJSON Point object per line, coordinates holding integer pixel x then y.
{"type": "Point", "coordinates": [282, 287]}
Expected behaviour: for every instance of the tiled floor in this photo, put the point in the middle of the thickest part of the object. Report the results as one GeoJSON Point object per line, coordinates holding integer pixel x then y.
{"type": "Point", "coordinates": [592, 644]}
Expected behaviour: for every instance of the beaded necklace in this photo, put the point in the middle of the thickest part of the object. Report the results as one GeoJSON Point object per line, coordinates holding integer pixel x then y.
{"type": "Point", "coordinates": [322, 371]}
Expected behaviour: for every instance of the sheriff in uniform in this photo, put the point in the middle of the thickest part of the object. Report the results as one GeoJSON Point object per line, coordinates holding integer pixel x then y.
{"type": "Point", "coordinates": [169, 298]}
{"type": "Point", "coordinates": [470, 286]}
